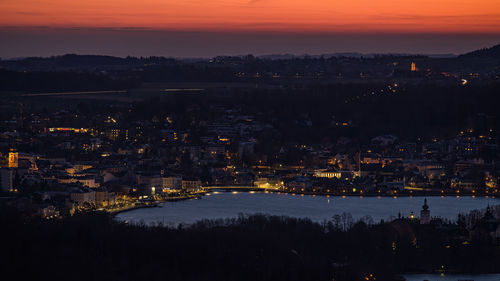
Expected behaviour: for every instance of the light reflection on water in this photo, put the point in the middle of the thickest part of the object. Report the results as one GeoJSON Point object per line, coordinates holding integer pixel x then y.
{"type": "Point", "coordinates": [317, 208]}
{"type": "Point", "coordinates": [438, 277]}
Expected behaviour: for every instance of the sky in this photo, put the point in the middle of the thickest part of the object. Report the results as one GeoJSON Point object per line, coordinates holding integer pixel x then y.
{"type": "Point", "coordinates": [200, 28]}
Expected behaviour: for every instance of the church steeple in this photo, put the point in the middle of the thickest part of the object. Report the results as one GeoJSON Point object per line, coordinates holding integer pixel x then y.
{"type": "Point", "coordinates": [425, 206]}
{"type": "Point", "coordinates": [425, 214]}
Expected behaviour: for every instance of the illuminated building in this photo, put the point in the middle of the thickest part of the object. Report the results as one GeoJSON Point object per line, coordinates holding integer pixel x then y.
{"type": "Point", "coordinates": [82, 196]}
{"type": "Point", "coordinates": [214, 150]}
{"type": "Point", "coordinates": [114, 134]}
{"type": "Point", "coordinates": [191, 185]}
{"type": "Point", "coordinates": [174, 182]}
{"type": "Point", "coordinates": [13, 159]}
{"type": "Point", "coordinates": [328, 174]}
{"type": "Point", "coordinates": [413, 66]}
{"type": "Point", "coordinates": [269, 182]}
{"type": "Point", "coordinates": [74, 130]}
{"type": "Point", "coordinates": [299, 183]}
{"type": "Point", "coordinates": [49, 212]}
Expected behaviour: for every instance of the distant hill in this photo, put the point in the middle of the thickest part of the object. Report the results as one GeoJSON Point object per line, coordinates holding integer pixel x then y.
{"type": "Point", "coordinates": [73, 61]}
{"type": "Point", "coordinates": [493, 52]}
{"type": "Point", "coordinates": [349, 55]}
{"type": "Point", "coordinates": [249, 68]}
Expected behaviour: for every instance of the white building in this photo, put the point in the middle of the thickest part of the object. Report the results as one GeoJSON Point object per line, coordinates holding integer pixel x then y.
{"type": "Point", "coordinates": [191, 185]}
{"type": "Point", "coordinates": [269, 182]}
{"type": "Point", "coordinates": [328, 174]}
{"type": "Point", "coordinates": [83, 196]}
{"type": "Point", "coordinates": [104, 198]}
{"type": "Point", "coordinates": [174, 182]}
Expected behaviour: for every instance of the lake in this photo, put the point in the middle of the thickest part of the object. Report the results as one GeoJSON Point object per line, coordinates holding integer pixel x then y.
{"type": "Point", "coordinates": [318, 208]}
{"type": "Point", "coordinates": [452, 277]}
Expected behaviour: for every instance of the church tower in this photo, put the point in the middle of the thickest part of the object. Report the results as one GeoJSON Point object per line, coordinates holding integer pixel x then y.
{"type": "Point", "coordinates": [413, 66]}
{"type": "Point", "coordinates": [13, 158]}
{"type": "Point", "coordinates": [425, 214]}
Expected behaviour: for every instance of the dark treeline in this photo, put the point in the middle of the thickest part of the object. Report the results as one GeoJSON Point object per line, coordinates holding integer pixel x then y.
{"type": "Point", "coordinates": [73, 62]}
{"type": "Point", "coordinates": [258, 247]}
{"type": "Point", "coordinates": [319, 64]}
{"type": "Point", "coordinates": [61, 81]}
{"type": "Point", "coordinates": [310, 114]}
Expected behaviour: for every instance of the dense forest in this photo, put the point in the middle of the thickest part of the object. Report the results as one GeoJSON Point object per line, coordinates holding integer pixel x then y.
{"type": "Point", "coordinates": [257, 247]}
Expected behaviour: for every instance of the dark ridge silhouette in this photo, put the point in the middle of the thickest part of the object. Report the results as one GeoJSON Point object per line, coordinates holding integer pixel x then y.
{"type": "Point", "coordinates": [61, 81]}
{"type": "Point", "coordinates": [74, 61]}
{"type": "Point", "coordinates": [493, 52]}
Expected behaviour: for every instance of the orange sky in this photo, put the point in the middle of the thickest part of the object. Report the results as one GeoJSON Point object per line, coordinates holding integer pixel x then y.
{"type": "Point", "coordinates": [462, 16]}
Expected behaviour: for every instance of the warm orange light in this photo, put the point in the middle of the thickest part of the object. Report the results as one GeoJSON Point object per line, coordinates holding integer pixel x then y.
{"type": "Point", "coordinates": [277, 15]}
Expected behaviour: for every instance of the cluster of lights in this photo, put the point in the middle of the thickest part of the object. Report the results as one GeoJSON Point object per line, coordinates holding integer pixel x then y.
{"type": "Point", "coordinates": [391, 89]}
{"type": "Point", "coordinates": [74, 130]}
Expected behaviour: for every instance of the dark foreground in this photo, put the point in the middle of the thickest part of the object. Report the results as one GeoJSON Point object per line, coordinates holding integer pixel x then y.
{"type": "Point", "coordinates": [96, 247]}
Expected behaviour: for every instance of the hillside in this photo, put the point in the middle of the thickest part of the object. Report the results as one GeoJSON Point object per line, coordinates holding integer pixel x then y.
{"type": "Point", "coordinates": [493, 52]}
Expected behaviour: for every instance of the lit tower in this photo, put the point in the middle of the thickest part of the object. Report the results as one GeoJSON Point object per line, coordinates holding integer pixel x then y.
{"type": "Point", "coordinates": [425, 214]}
{"type": "Point", "coordinates": [413, 66]}
{"type": "Point", "coordinates": [13, 159]}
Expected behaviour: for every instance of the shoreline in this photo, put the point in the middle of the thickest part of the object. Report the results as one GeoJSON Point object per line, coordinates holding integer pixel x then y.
{"type": "Point", "coordinates": [156, 203]}
{"type": "Point", "coordinates": [349, 194]}
{"type": "Point", "coordinates": [200, 195]}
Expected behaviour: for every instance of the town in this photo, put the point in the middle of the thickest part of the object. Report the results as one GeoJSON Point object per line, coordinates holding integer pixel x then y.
{"type": "Point", "coordinates": [58, 160]}
{"type": "Point", "coordinates": [302, 168]}
{"type": "Point", "coordinates": [249, 140]}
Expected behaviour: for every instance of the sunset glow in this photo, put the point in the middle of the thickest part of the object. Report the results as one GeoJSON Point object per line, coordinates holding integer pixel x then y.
{"type": "Point", "coordinates": [452, 16]}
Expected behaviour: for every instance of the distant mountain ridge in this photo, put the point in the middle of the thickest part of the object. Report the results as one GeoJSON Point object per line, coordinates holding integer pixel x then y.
{"type": "Point", "coordinates": [71, 61]}
{"type": "Point", "coordinates": [484, 60]}
{"type": "Point", "coordinates": [74, 59]}
{"type": "Point", "coordinates": [493, 52]}
{"type": "Point", "coordinates": [352, 55]}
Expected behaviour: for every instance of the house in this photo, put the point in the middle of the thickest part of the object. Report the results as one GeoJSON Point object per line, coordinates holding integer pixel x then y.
{"type": "Point", "coordinates": [49, 211]}
{"type": "Point", "coordinates": [330, 173]}
{"type": "Point", "coordinates": [191, 185]}
{"type": "Point", "coordinates": [172, 182]}
{"type": "Point", "coordinates": [299, 184]}
{"type": "Point", "coordinates": [269, 182]}
{"type": "Point", "coordinates": [104, 198]}
{"type": "Point", "coordinates": [83, 195]}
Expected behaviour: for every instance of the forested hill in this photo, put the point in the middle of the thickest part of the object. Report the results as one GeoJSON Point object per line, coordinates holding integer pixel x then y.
{"type": "Point", "coordinates": [266, 248]}
{"type": "Point", "coordinates": [88, 72]}
{"type": "Point", "coordinates": [493, 52]}
{"type": "Point", "coordinates": [74, 62]}
{"type": "Point", "coordinates": [323, 65]}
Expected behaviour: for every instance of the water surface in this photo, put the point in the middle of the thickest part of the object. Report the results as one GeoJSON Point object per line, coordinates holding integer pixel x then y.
{"type": "Point", "coordinates": [317, 208]}
{"type": "Point", "coordinates": [446, 277]}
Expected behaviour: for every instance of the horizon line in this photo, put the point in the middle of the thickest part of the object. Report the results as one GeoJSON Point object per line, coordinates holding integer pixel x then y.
{"type": "Point", "coordinates": [248, 30]}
